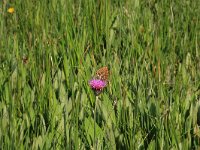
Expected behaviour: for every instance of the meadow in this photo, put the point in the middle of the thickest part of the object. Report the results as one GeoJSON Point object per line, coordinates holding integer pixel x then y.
{"type": "Point", "coordinates": [50, 50]}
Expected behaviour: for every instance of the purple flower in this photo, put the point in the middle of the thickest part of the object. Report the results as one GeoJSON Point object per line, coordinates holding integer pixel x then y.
{"type": "Point", "coordinates": [97, 84]}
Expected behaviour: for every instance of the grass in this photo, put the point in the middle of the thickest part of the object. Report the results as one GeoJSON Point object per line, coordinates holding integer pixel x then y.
{"type": "Point", "coordinates": [49, 50]}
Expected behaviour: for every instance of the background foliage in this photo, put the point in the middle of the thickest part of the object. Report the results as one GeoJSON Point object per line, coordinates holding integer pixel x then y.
{"type": "Point", "coordinates": [49, 50]}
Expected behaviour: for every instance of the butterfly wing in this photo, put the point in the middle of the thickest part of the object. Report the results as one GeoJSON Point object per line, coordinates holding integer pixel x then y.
{"type": "Point", "coordinates": [102, 74]}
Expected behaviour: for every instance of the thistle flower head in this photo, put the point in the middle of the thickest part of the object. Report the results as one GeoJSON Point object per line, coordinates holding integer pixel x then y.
{"type": "Point", "coordinates": [97, 84]}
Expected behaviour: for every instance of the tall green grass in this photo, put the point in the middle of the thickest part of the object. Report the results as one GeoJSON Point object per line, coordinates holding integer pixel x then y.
{"type": "Point", "coordinates": [49, 50]}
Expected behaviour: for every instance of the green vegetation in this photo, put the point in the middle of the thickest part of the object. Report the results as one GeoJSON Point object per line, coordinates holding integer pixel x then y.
{"type": "Point", "coordinates": [49, 50]}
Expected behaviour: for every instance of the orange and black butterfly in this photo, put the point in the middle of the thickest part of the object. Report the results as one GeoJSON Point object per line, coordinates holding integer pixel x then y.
{"type": "Point", "coordinates": [102, 74]}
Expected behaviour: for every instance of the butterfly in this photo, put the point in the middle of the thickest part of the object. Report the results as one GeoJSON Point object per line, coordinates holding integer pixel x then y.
{"type": "Point", "coordinates": [102, 74]}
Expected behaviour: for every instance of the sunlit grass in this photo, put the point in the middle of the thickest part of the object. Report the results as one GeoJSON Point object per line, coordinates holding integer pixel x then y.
{"type": "Point", "coordinates": [49, 50]}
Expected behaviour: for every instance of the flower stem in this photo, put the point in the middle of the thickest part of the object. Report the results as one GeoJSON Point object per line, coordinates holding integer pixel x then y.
{"type": "Point", "coordinates": [95, 110]}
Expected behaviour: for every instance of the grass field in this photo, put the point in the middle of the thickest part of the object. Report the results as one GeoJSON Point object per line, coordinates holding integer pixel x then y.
{"type": "Point", "coordinates": [49, 50]}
